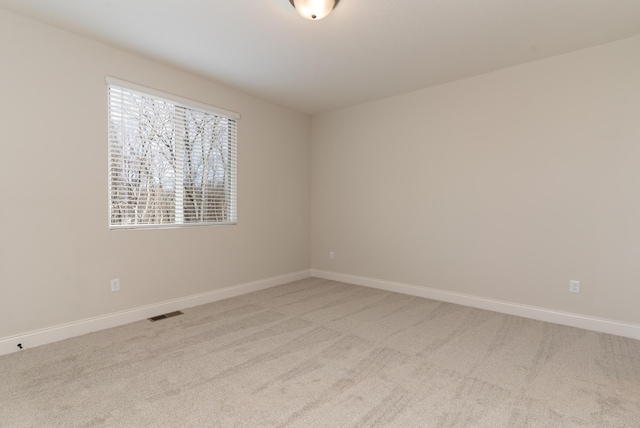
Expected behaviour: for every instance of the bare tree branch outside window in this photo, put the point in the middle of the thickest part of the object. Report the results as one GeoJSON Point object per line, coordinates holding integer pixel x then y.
{"type": "Point", "coordinates": [169, 164]}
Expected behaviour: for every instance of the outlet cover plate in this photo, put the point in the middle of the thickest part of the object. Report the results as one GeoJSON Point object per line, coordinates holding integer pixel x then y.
{"type": "Point", "coordinates": [574, 286]}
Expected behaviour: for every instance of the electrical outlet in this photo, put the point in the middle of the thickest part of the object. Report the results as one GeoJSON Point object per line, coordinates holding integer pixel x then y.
{"type": "Point", "coordinates": [115, 285]}
{"type": "Point", "coordinates": [330, 255]}
{"type": "Point", "coordinates": [574, 286]}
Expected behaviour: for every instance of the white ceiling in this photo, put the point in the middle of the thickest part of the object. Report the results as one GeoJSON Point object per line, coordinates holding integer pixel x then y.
{"type": "Point", "coordinates": [364, 50]}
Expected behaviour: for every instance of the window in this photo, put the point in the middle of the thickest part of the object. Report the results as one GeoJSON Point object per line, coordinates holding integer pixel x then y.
{"type": "Point", "coordinates": [172, 162]}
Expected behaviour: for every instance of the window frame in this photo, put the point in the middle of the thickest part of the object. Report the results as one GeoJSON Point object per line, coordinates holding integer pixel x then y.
{"type": "Point", "coordinates": [182, 103]}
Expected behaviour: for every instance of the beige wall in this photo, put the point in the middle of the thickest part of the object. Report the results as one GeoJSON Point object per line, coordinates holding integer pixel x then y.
{"type": "Point", "coordinates": [503, 186]}
{"type": "Point", "coordinates": [56, 252]}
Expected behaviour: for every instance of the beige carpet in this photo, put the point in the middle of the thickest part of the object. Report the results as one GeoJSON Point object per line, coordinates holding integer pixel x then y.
{"type": "Point", "coordinates": [321, 353]}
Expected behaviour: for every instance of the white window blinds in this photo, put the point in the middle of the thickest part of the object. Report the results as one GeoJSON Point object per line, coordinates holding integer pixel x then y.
{"type": "Point", "coordinates": [172, 162]}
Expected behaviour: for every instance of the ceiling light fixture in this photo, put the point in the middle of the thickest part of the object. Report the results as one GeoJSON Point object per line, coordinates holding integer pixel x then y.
{"type": "Point", "coordinates": [314, 9]}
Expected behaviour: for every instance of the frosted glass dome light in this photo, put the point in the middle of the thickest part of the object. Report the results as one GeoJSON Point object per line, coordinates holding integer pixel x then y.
{"type": "Point", "coordinates": [314, 9]}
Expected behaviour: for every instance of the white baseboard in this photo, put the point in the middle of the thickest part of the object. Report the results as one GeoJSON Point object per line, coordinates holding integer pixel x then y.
{"type": "Point", "coordinates": [65, 331]}
{"type": "Point", "coordinates": [541, 314]}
